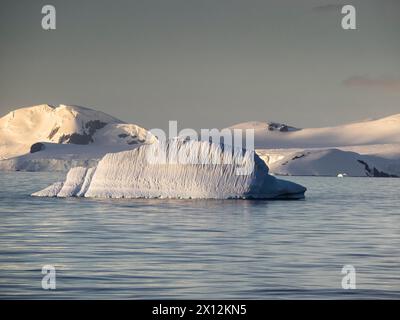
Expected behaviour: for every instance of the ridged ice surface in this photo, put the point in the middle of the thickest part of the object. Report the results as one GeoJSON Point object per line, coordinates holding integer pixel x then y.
{"type": "Point", "coordinates": [179, 169]}
{"type": "Point", "coordinates": [86, 182]}
{"type": "Point", "coordinates": [73, 183]}
{"type": "Point", "coordinates": [50, 191]}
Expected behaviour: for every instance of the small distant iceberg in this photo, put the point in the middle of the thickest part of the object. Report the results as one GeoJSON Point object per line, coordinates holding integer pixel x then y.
{"type": "Point", "coordinates": [342, 175]}
{"type": "Point", "coordinates": [176, 173]}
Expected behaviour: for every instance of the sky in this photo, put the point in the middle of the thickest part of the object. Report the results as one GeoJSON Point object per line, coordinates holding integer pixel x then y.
{"type": "Point", "coordinates": [204, 63]}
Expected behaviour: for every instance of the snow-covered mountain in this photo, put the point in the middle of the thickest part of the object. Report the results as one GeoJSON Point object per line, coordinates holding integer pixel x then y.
{"type": "Point", "coordinates": [46, 137]}
{"type": "Point", "coordinates": [381, 131]}
{"type": "Point", "coordinates": [367, 148]}
{"type": "Point", "coordinates": [334, 162]}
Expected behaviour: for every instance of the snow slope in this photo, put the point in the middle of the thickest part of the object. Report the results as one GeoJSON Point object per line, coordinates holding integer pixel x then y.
{"type": "Point", "coordinates": [331, 162]}
{"type": "Point", "coordinates": [367, 148]}
{"type": "Point", "coordinates": [45, 137]}
{"type": "Point", "coordinates": [381, 131]}
{"type": "Point", "coordinates": [189, 169]}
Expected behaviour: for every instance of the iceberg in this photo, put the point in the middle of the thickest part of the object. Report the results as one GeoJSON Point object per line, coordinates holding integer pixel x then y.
{"type": "Point", "coordinates": [50, 191]}
{"type": "Point", "coordinates": [73, 183]}
{"type": "Point", "coordinates": [178, 168]}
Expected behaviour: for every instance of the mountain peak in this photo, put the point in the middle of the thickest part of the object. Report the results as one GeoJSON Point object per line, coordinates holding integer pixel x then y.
{"type": "Point", "coordinates": [65, 124]}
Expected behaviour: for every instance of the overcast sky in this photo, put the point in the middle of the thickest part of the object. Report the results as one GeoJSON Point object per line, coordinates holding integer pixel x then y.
{"type": "Point", "coordinates": [205, 63]}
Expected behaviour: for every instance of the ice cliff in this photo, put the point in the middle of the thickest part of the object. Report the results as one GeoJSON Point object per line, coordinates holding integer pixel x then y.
{"type": "Point", "coordinates": [177, 169]}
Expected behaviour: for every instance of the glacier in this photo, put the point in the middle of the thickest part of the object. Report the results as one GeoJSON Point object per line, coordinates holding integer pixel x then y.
{"type": "Point", "coordinates": [184, 169]}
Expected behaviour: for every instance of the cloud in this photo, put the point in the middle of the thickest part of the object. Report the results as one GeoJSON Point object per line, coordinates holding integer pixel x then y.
{"type": "Point", "coordinates": [386, 83]}
{"type": "Point", "coordinates": [327, 8]}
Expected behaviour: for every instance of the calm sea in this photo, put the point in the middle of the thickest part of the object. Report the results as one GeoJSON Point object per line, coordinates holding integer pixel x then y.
{"type": "Point", "coordinates": [177, 249]}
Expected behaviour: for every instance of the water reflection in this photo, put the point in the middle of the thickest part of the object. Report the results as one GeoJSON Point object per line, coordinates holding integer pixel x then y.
{"type": "Point", "coordinates": [121, 248]}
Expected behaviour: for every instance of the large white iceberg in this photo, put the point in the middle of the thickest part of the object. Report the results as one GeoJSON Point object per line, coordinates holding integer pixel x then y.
{"type": "Point", "coordinates": [177, 169]}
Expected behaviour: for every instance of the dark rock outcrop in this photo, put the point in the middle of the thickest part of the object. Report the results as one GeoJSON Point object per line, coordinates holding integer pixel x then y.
{"type": "Point", "coordinates": [85, 138]}
{"type": "Point", "coordinates": [36, 147]}
{"type": "Point", "coordinates": [273, 126]}
{"type": "Point", "coordinates": [53, 132]}
{"type": "Point", "coordinates": [373, 172]}
{"type": "Point", "coordinates": [76, 138]}
{"type": "Point", "coordinates": [94, 125]}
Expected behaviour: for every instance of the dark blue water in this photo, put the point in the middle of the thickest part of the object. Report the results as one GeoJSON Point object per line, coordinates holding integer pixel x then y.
{"type": "Point", "coordinates": [202, 249]}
